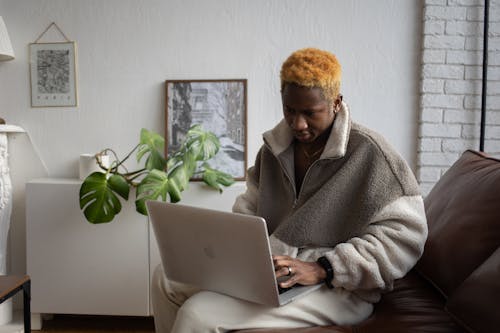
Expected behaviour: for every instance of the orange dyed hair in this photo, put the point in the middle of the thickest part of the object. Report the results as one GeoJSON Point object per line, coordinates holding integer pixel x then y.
{"type": "Point", "coordinates": [313, 68]}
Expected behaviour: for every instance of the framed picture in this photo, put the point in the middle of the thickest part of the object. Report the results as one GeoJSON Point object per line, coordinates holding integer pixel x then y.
{"type": "Point", "coordinates": [53, 74]}
{"type": "Point", "coordinates": [220, 106]}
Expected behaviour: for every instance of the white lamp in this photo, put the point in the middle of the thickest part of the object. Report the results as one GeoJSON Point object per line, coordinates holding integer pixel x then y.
{"type": "Point", "coordinates": [6, 51]}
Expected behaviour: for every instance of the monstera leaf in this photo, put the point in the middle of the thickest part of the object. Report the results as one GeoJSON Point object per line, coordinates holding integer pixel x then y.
{"type": "Point", "coordinates": [155, 185]}
{"type": "Point", "coordinates": [203, 145]}
{"type": "Point", "coordinates": [153, 144]}
{"type": "Point", "coordinates": [215, 178]}
{"type": "Point", "coordinates": [98, 197]}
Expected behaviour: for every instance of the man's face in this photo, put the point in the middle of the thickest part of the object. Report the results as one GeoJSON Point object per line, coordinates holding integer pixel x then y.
{"type": "Point", "coordinates": [306, 111]}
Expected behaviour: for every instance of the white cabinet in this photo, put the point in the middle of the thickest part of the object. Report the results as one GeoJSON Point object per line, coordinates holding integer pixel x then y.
{"type": "Point", "coordinates": [80, 268]}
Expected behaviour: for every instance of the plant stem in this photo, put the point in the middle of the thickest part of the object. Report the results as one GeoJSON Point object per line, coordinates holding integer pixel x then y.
{"type": "Point", "coordinates": [136, 174]}
{"type": "Point", "coordinates": [114, 169]}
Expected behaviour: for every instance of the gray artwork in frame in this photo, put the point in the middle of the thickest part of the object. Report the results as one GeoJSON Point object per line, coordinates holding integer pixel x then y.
{"type": "Point", "coordinates": [53, 74]}
{"type": "Point", "coordinates": [220, 106]}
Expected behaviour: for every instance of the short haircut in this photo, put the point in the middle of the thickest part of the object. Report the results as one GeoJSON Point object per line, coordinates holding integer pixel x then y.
{"type": "Point", "coordinates": [313, 68]}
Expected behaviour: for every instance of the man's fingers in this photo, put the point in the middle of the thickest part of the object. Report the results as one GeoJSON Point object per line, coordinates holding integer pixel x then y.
{"type": "Point", "coordinates": [282, 261]}
{"type": "Point", "coordinates": [289, 282]}
{"type": "Point", "coordinates": [281, 257]}
{"type": "Point", "coordinates": [282, 271]}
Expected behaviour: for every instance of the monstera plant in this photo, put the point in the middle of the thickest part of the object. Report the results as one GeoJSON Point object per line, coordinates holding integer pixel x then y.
{"type": "Point", "coordinates": [161, 177]}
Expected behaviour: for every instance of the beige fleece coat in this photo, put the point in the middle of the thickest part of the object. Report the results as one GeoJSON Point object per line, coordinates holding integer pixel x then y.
{"type": "Point", "coordinates": [359, 205]}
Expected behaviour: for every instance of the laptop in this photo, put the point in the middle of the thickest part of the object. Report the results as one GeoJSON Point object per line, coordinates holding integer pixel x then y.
{"type": "Point", "coordinates": [228, 253]}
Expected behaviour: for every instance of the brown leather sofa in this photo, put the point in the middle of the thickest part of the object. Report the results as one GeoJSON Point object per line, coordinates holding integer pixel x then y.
{"type": "Point", "coordinates": [455, 286]}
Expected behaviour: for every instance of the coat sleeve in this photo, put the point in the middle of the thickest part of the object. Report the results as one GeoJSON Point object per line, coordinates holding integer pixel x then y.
{"type": "Point", "coordinates": [387, 249]}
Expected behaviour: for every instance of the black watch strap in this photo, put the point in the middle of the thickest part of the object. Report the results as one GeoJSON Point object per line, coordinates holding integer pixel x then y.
{"type": "Point", "coordinates": [325, 264]}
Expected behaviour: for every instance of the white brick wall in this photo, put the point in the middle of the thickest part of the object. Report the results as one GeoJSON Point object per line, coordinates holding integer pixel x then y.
{"type": "Point", "coordinates": [451, 85]}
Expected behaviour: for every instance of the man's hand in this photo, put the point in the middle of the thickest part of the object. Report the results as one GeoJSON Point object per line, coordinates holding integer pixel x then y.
{"type": "Point", "coordinates": [298, 271]}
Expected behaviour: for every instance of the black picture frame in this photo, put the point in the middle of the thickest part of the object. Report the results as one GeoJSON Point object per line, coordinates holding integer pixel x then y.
{"type": "Point", "coordinates": [220, 106]}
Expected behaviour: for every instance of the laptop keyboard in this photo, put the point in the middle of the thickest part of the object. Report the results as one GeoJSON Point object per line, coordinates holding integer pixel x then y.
{"type": "Point", "coordinates": [281, 290]}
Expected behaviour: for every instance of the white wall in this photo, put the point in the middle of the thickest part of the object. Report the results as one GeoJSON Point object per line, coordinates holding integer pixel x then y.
{"type": "Point", "coordinates": [452, 85]}
{"type": "Point", "coordinates": [128, 48]}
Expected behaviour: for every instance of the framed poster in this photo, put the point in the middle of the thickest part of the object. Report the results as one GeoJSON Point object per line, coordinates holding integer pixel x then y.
{"type": "Point", "coordinates": [220, 106]}
{"type": "Point", "coordinates": [53, 74]}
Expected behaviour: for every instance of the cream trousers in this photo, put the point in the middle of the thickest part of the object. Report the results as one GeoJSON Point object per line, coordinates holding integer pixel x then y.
{"type": "Point", "coordinates": [179, 308]}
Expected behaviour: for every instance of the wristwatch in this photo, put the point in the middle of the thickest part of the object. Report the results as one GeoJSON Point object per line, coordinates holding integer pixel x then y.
{"type": "Point", "coordinates": [325, 264]}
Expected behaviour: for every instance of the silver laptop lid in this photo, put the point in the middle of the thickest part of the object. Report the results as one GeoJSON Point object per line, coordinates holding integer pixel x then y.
{"type": "Point", "coordinates": [219, 251]}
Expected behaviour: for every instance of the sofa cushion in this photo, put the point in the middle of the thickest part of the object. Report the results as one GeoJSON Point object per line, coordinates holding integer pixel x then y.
{"type": "Point", "coordinates": [413, 306]}
{"type": "Point", "coordinates": [463, 216]}
{"type": "Point", "coordinates": [476, 302]}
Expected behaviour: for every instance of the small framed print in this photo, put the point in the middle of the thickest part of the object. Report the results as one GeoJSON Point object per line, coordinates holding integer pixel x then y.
{"type": "Point", "coordinates": [220, 106]}
{"type": "Point", "coordinates": [53, 74]}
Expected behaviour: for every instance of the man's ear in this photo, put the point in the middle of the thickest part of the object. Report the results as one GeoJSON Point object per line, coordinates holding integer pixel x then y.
{"type": "Point", "coordinates": [337, 104]}
{"type": "Point", "coordinates": [338, 100]}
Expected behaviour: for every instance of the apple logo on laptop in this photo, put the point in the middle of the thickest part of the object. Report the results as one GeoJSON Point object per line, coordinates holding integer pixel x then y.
{"type": "Point", "coordinates": [209, 252]}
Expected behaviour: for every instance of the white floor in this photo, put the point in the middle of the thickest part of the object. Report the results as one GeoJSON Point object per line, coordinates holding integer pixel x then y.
{"type": "Point", "coordinates": [16, 326]}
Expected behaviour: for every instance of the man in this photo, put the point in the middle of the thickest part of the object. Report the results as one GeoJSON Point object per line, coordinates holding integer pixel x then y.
{"type": "Point", "coordinates": [343, 209]}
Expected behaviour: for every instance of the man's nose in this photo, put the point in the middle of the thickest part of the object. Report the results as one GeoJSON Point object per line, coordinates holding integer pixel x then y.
{"type": "Point", "coordinates": [299, 123]}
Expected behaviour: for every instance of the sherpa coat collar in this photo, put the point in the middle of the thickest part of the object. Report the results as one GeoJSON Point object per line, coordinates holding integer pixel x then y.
{"type": "Point", "coordinates": [355, 168]}
{"type": "Point", "coordinates": [281, 137]}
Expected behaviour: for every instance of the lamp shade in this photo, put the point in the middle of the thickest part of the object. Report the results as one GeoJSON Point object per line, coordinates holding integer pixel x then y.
{"type": "Point", "coordinates": [6, 52]}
